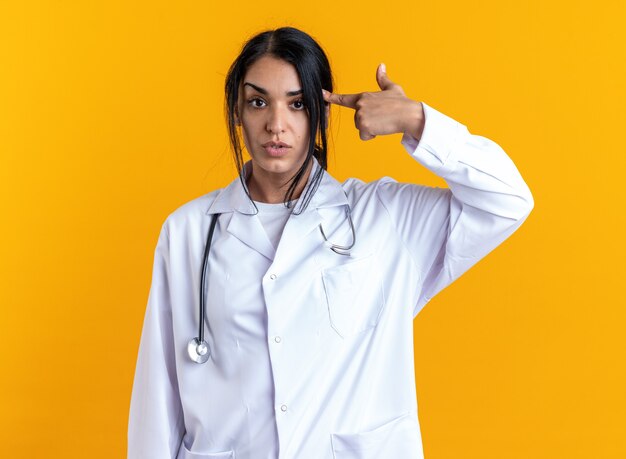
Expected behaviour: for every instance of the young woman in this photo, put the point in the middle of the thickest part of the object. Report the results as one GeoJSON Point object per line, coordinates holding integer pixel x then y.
{"type": "Point", "coordinates": [280, 318]}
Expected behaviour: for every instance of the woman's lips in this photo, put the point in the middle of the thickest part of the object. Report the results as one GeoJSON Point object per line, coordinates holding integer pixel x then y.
{"type": "Point", "coordinates": [276, 151]}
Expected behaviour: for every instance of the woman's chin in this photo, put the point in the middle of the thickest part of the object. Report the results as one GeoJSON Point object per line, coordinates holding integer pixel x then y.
{"type": "Point", "coordinates": [277, 165]}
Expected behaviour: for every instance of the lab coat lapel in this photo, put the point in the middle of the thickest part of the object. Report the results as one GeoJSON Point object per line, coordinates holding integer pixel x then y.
{"type": "Point", "coordinates": [299, 226]}
{"type": "Point", "coordinates": [249, 230]}
{"type": "Point", "coordinates": [246, 226]}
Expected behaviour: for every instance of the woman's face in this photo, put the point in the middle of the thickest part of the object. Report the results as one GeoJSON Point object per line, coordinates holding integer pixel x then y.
{"type": "Point", "coordinates": [271, 109]}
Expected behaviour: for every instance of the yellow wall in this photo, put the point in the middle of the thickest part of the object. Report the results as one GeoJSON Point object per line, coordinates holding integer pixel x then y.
{"type": "Point", "coordinates": [111, 117]}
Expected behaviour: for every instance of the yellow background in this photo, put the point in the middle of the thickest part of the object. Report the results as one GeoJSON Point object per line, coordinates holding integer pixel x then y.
{"type": "Point", "coordinates": [111, 116]}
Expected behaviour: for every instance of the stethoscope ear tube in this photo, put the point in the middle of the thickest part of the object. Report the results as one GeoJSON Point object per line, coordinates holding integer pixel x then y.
{"type": "Point", "coordinates": [198, 348]}
{"type": "Point", "coordinates": [340, 249]}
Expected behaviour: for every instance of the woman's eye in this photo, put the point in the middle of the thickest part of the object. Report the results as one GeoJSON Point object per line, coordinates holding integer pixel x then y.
{"type": "Point", "coordinates": [255, 102]}
{"type": "Point", "coordinates": [256, 99]}
{"type": "Point", "coordinates": [301, 102]}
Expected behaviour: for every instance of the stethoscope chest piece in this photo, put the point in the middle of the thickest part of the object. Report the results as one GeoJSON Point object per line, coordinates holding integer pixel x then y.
{"type": "Point", "coordinates": [198, 350]}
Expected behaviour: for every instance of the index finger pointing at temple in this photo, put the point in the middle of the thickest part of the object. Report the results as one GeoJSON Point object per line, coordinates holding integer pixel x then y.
{"type": "Point", "coordinates": [345, 100]}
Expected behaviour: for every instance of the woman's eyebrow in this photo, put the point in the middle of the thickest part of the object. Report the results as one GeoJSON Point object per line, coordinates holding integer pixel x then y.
{"type": "Point", "coordinates": [264, 91]}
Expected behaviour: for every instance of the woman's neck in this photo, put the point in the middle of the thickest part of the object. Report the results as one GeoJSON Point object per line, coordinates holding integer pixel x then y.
{"type": "Point", "coordinates": [271, 188]}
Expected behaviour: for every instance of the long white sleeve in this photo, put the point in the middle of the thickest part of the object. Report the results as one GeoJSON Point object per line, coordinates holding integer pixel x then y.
{"type": "Point", "coordinates": [155, 426]}
{"type": "Point", "coordinates": [449, 230]}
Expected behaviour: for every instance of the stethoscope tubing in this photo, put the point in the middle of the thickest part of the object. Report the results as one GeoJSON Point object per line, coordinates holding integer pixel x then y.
{"type": "Point", "coordinates": [205, 263]}
{"type": "Point", "coordinates": [197, 348]}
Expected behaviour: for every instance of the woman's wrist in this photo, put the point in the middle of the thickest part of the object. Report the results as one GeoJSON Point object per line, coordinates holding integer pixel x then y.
{"type": "Point", "coordinates": [415, 121]}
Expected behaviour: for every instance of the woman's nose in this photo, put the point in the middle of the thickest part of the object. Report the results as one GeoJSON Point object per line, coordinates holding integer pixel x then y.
{"type": "Point", "coordinates": [276, 120]}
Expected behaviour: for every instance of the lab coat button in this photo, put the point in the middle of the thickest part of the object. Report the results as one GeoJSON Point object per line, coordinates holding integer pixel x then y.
{"type": "Point", "coordinates": [283, 408]}
{"type": "Point", "coordinates": [273, 276]}
{"type": "Point", "coordinates": [277, 339]}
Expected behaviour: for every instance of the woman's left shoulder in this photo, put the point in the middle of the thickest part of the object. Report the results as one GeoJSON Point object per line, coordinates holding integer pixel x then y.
{"type": "Point", "coordinates": [357, 189]}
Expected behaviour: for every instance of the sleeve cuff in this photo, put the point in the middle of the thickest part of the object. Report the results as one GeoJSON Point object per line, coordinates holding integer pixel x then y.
{"type": "Point", "coordinates": [436, 148]}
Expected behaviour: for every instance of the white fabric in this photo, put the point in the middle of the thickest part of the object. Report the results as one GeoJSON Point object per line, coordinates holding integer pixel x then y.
{"type": "Point", "coordinates": [273, 218]}
{"type": "Point", "coordinates": [312, 352]}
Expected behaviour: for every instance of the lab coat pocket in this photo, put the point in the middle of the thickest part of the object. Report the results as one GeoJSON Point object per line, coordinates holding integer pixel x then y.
{"type": "Point", "coordinates": [354, 294]}
{"type": "Point", "coordinates": [398, 438]}
{"type": "Point", "coordinates": [186, 454]}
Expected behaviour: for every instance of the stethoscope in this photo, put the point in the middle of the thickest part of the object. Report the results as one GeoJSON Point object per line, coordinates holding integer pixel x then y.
{"type": "Point", "coordinates": [198, 348]}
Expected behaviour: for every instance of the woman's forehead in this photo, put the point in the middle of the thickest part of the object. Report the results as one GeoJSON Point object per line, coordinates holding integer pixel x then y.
{"type": "Point", "coordinates": [272, 76]}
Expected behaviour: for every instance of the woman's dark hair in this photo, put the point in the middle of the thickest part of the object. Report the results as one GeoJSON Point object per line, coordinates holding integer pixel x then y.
{"type": "Point", "coordinates": [311, 64]}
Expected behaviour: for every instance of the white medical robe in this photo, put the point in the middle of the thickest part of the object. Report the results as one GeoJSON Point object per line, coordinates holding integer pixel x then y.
{"type": "Point", "coordinates": [312, 351]}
